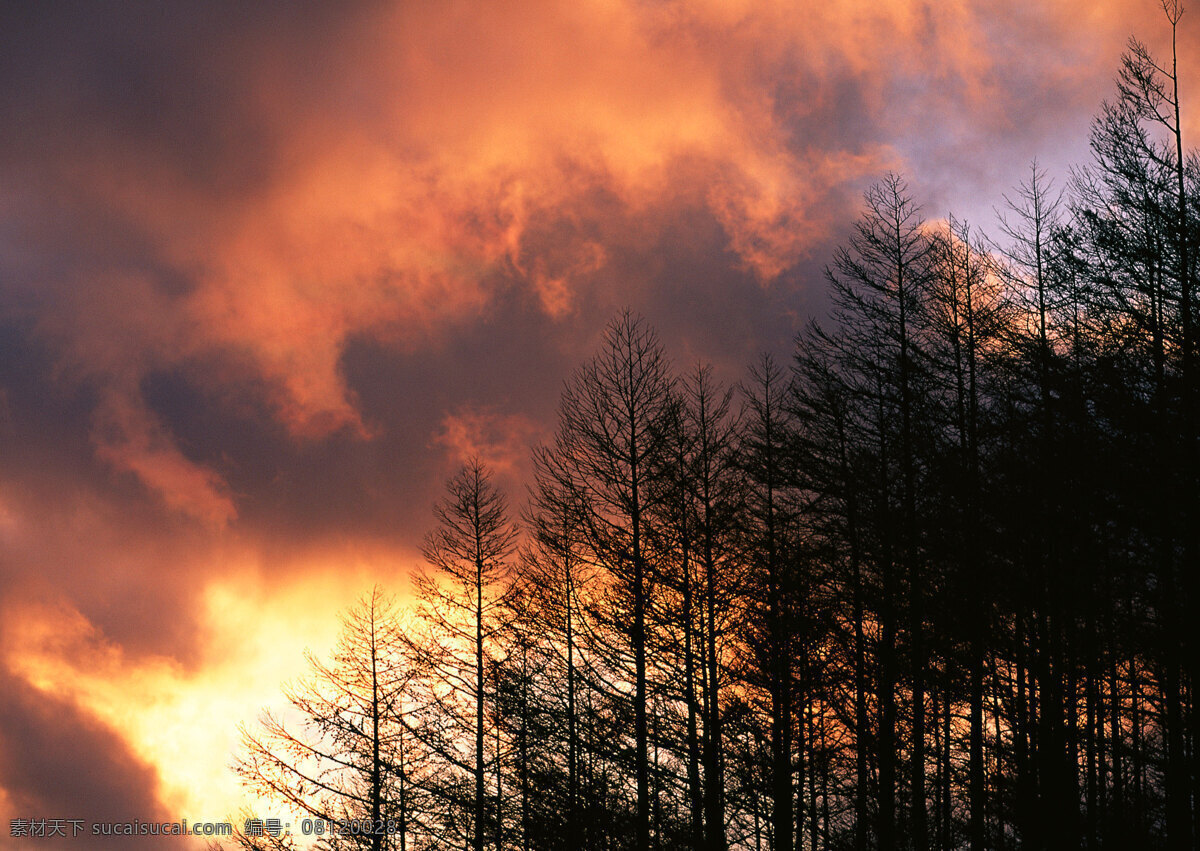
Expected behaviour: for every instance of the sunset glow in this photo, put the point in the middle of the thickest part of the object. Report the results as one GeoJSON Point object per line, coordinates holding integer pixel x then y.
{"type": "Point", "coordinates": [270, 272]}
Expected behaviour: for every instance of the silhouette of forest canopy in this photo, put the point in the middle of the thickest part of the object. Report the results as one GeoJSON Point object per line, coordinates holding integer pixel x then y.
{"type": "Point", "coordinates": [930, 584]}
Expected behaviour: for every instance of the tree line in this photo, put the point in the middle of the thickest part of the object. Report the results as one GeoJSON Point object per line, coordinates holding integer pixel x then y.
{"type": "Point", "coordinates": [930, 584]}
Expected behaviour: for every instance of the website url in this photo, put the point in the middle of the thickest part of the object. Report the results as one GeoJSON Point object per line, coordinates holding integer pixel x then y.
{"type": "Point", "coordinates": [45, 828]}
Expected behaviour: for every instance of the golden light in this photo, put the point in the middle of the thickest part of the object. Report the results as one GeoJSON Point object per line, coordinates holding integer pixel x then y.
{"type": "Point", "coordinates": [185, 723]}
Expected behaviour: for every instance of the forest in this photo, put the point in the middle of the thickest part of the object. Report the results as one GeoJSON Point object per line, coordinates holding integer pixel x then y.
{"type": "Point", "coordinates": [929, 584]}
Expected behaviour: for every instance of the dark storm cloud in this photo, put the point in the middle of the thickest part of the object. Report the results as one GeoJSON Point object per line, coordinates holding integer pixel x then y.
{"type": "Point", "coordinates": [56, 762]}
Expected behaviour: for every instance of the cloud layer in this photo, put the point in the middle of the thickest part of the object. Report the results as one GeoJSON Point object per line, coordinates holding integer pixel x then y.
{"type": "Point", "coordinates": [268, 272]}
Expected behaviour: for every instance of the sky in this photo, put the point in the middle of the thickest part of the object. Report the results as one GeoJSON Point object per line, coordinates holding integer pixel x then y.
{"type": "Point", "coordinates": [269, 272]}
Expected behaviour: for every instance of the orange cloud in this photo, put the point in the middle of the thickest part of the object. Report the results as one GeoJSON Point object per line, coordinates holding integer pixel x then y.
{"type": "Point", "coordinates": [502, 441]}
{"type": "Point", "coordinates": [128, 437]}
{"type": "Point", "coordinates": [409, 154]}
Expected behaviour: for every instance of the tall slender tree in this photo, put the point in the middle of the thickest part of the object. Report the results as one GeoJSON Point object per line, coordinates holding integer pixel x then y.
{"type": "Point", "coordinates": [770, 545]}
{"type": "Point", "coordinates": [609, 459]}
{"type": "Point", "coordinates": [345, 762]}
{"type": "Point", "coordinates": [879, 284]}
{"type": "Point", "coordinates": [469, 552]}
{"type": "Point", "coordinates": [716, 492]}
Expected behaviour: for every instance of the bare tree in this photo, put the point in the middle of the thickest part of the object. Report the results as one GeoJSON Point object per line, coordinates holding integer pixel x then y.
{"type": "Point", "coordinates": [608, 457]}
{"type": "Point", "coordinates": [343, 762]}
{"type": "Point", "coordinates": [469, 552]}
{"type": "Point", "coordinates": [880, 283]}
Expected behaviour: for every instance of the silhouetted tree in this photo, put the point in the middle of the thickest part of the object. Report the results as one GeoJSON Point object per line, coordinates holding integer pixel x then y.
{"type": "Point", "coordinates": [469, 552]}
{"type": "Point", "coordinates": [934, 587]}
{"type": "Point", "coordinates": [608, 459]}
{"type": "Point", "coordinates": [343, 763]}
